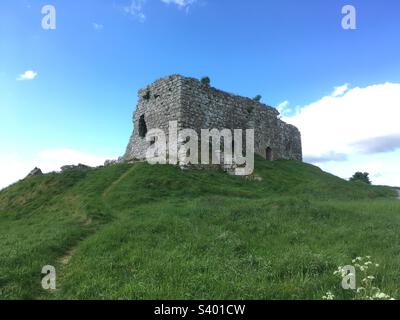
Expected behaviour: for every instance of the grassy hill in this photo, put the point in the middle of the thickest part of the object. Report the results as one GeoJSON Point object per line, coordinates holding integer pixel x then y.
{"type": "Point", "coordinates": [136, 231]}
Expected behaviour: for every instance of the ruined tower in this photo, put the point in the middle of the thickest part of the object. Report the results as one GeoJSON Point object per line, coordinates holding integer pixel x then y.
{"type": "Point", "coordinates": [198, 106]}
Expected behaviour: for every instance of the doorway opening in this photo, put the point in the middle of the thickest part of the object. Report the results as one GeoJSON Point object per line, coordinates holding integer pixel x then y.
{"type": "Point", "coordinates": [268, 154]}
{"type": "Point", "coordinates": [142, 127]}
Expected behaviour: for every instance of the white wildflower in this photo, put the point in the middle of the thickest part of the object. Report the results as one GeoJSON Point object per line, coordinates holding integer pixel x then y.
{"type": "Point", "coordinates": [328, 296]}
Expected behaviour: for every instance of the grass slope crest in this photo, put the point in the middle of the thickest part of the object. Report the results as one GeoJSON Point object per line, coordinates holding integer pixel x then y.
{"type": "Point", "coordinates": [136, 231]}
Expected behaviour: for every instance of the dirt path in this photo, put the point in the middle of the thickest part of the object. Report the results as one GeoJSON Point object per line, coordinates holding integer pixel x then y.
{"type": "Point", "coordinates": [67, 257]}
{"type": "Point", "coordinates": [64, 260]}
{"type": "Point", "coordinates": [116, 182]}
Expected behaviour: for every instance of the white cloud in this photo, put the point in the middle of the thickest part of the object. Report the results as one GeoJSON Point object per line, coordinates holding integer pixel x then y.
{"type": "Point", "coordinates": [97, 26]}
{"type": "Point", "coordinates": [283, 108]}
{"type": "Point", "coordinates": [341, 90]}
{"type": "Point", "coordinates": [352, 123]}
{"type": "Point", "coordinates": [181, 3]}
{"type": "Point", "coordinates": [27, 75]}
{"type": "Point", "coordinates": [14, 167]}
{"type": "Point", "coordinates": [383, 168]}
{"type": "Point", "coordinates": [135, 9]}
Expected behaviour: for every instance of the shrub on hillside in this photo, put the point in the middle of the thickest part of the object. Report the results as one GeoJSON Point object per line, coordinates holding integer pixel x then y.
{"type": "Point", "coordinates": [363, 177]}
{"type": "Point", "coordinates": [257, 98]}
{"type": "Point", "coordinates": [206, 81]}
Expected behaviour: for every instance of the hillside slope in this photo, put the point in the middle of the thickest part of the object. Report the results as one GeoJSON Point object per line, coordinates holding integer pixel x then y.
{"type": "Point", "coordinates": [137, 231]}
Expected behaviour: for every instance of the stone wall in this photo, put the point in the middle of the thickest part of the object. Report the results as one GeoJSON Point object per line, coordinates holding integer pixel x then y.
{"type": "Point", "coordinates": [159, 103]}
{"type": "Point", "coordinates": [198, 106]}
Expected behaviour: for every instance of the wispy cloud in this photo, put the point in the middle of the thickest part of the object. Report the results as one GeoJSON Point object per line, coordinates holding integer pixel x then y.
{"type": "Point", "coordinates": [378, 144]}
{"type": "Point", "coordinates": [286, 109]}
{"type": "Point", "coordinates": [181, 4]}
{"type": "Point", "coordinates": [327, 157]}
{"type": "Point", "coordinates": [135, 9]}
{"type": "Point", "coordinates": [27, 75]}
{"type": "Point", "coordinates": [340, 90]}
{"type": "Point", "coordinates": [283, 108]}
{"type": "Point", "coordinates": [97, 26]}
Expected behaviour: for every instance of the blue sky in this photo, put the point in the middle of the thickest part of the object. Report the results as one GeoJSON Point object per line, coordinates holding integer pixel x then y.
{"type": "Point", "coordinates": [88, 70]}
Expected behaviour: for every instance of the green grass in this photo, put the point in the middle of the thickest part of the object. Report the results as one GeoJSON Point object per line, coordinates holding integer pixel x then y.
{"type": "Point", "coordinates": [136, 231]}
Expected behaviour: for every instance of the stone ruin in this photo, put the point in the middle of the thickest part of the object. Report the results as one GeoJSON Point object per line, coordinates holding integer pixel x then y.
{"type": "Point", "coordinates": [35, 172]}
{"type": "Point", "coordinates": [199, 106]}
